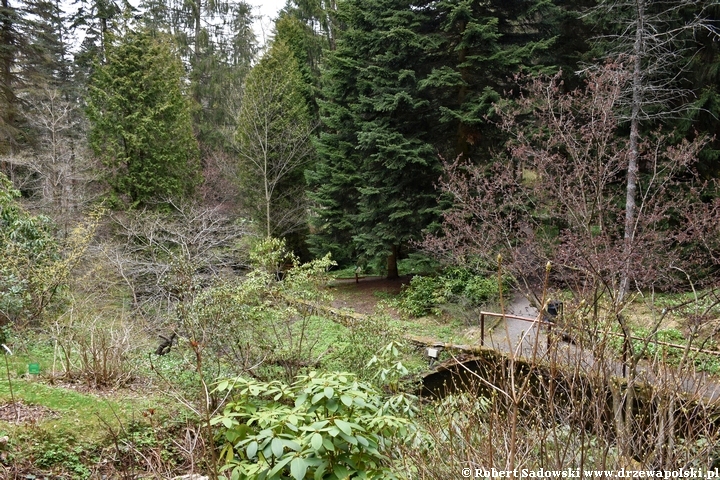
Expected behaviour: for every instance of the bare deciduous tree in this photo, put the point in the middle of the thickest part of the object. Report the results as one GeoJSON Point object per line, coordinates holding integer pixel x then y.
{"type": "Point", "coordinates": [166, 256]}
{"type": "Point", "coordinates": [60, 169]}
{"type": "Point", "coordinates": [274, 142]}
{"type": "Point", "coordinates": [558, 198]}
{"type": "Point", "coordinates": [559, 195]}
{"type": "Point", "coordinates": [653, 44]}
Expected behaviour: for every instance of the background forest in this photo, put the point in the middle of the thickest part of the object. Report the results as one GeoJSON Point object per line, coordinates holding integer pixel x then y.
{"type": "Point", "coordinates": [165, 175]}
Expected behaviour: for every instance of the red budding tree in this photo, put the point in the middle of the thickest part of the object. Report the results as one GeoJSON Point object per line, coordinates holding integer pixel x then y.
{"type": "Point", "coordinates": [557, 194]}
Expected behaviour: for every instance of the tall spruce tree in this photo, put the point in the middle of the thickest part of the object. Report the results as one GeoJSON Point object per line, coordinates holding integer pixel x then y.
{"type": "Point", "coordinates": [94, 20]}
{"type": "Point", "coordinates": [407, 81]}
{"type": "Point", "coordinates": [306, 46]}
{"type": "Point", "coordinates": [217, 44]}
{"type": "Point", "coordinates": [373, 186]}
{"type": "Point", "coordinates": [12, 43]}
{"type": "Point", "coordinates": [140, 119]}
{"type": "Point", "coordinates": [319, 16]}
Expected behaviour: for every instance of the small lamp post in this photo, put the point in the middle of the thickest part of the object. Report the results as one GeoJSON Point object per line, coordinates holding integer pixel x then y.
{"type": "Point", "coordinates": [432, 354]}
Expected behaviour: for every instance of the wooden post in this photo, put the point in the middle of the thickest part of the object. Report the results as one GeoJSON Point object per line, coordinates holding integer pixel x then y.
{"type": "Point", "coordinates": [482, 329]}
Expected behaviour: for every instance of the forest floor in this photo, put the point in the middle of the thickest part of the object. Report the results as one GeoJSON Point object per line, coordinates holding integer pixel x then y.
{"type": "Point", "coordinates": [363, 296]}
{"type": "Point", "coordinates": [367, 295]}
{"type": "Point", "coordinates": [377, 295]}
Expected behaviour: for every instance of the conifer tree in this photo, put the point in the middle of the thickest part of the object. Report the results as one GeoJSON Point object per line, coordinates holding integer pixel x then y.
{"type": "Point", "coordinates": [406, 82]}
{"type": "Point", "coordinates": [32, 52]}
{"type": "Point", "coordinates": [306, 47]}
{"type": "Point", "coordinates": [11, 41]}
{"type": "Point", "coordinates": [702, 76]}
{"type": "Point", "coordinates": [96, 19]}
{"type": "Point", "coordinates": [140, 117]}
{"type": "Point", "coordinates": [374, 181]}
{"type": "Point", "coordinates": [478, 48]}
{"type": "Point", "coordinates": [216, 43]}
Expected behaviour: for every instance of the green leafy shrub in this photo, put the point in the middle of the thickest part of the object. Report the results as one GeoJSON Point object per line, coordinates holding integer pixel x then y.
{"type": "Point", "coordinates": [323, 426]}
{"type": "Point", "coordinates": [418, 264]}
{"type": "Point", "coordinates": [363, 340]}
{"type": "Point", "coordinates": [262, 321]}
{"type": "Point", "coordinates": [424, 295]}
{"type": "Point", "coordinates": [59, 452]}
{"type": "Point", "coordinates": [29, 250]}
{"type": "Point", "coordinates": [479, 290]}
{"type": "Point", "coordinates": [34, 269]}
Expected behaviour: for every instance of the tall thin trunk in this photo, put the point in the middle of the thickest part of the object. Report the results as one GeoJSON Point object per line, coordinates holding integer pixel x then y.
{"type": "Point", "coordinates": [632, 170]}
{"type": "Point", "coordinates": [64, 75]}
{"type": "Point", "coordinates": [196, 69]}
{"type": "Point", "coordinates": [7, 97]}
{"type": "Point", "coordinates": [268, 197]}
{"type": "Point", "coordinates": [392, 267]}
{"type": "Point", "coordinates": [330, 6]}
{"type": "Point", "coordinates": [103, 39]}
{"type": "Point", "coordinates": [462, 146]}
{"type": "Point", "coordinates": [267, 217]}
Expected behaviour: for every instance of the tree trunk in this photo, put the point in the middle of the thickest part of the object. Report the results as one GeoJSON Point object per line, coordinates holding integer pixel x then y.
{"type": "Point", "coordinates": [463, 146]}
{"type": "Point", "coordinates": [632, 170]}
{"type": "Point", "coordinates": [197, 24]}
{"type": "Point", "coordinates": [7, 96]}
{"type": "Point", "coordinates": [392, 268]}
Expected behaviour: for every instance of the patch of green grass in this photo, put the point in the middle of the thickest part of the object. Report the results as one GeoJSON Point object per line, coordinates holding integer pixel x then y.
{"type": "Point", "coordinates": [323, 332]}
{"type": "Point", "coordinates": [79, 433]}
{"type": "Point", "coordinates": [347, 272]}
{"type": "Point", "coordinates": [70, 439]}
{"type": "Point", "coordinates": [433, 327]}
{"type": "Point", "coordinates": [77, 413]}
{"type": "Point", "coordinates": [26, 348]}
{"type": "Point", "coordinates": [80, 413]}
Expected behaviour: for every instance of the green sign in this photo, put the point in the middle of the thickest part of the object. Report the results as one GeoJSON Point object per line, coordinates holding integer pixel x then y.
{"type": "Point", "coordinates": [34, 368]}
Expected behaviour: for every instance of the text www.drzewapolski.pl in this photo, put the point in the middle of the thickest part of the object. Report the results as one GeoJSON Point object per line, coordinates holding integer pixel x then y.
{"type": "Point", "coordinates": [577, 473]}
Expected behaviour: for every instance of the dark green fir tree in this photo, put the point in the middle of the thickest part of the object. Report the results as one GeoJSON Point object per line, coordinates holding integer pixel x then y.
{"type": "Point", "coordinates": [373, 185]}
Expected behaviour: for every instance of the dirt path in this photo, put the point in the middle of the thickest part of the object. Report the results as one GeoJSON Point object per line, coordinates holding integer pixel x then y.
{"type": "Point", "coordinates": [364, 295]}
{"type": "Point", "coordinates": [534, 339]}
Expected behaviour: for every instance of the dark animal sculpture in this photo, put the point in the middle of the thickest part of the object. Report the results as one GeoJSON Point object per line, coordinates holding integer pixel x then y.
{"type": "Point", "coordinates": [165, 345]}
